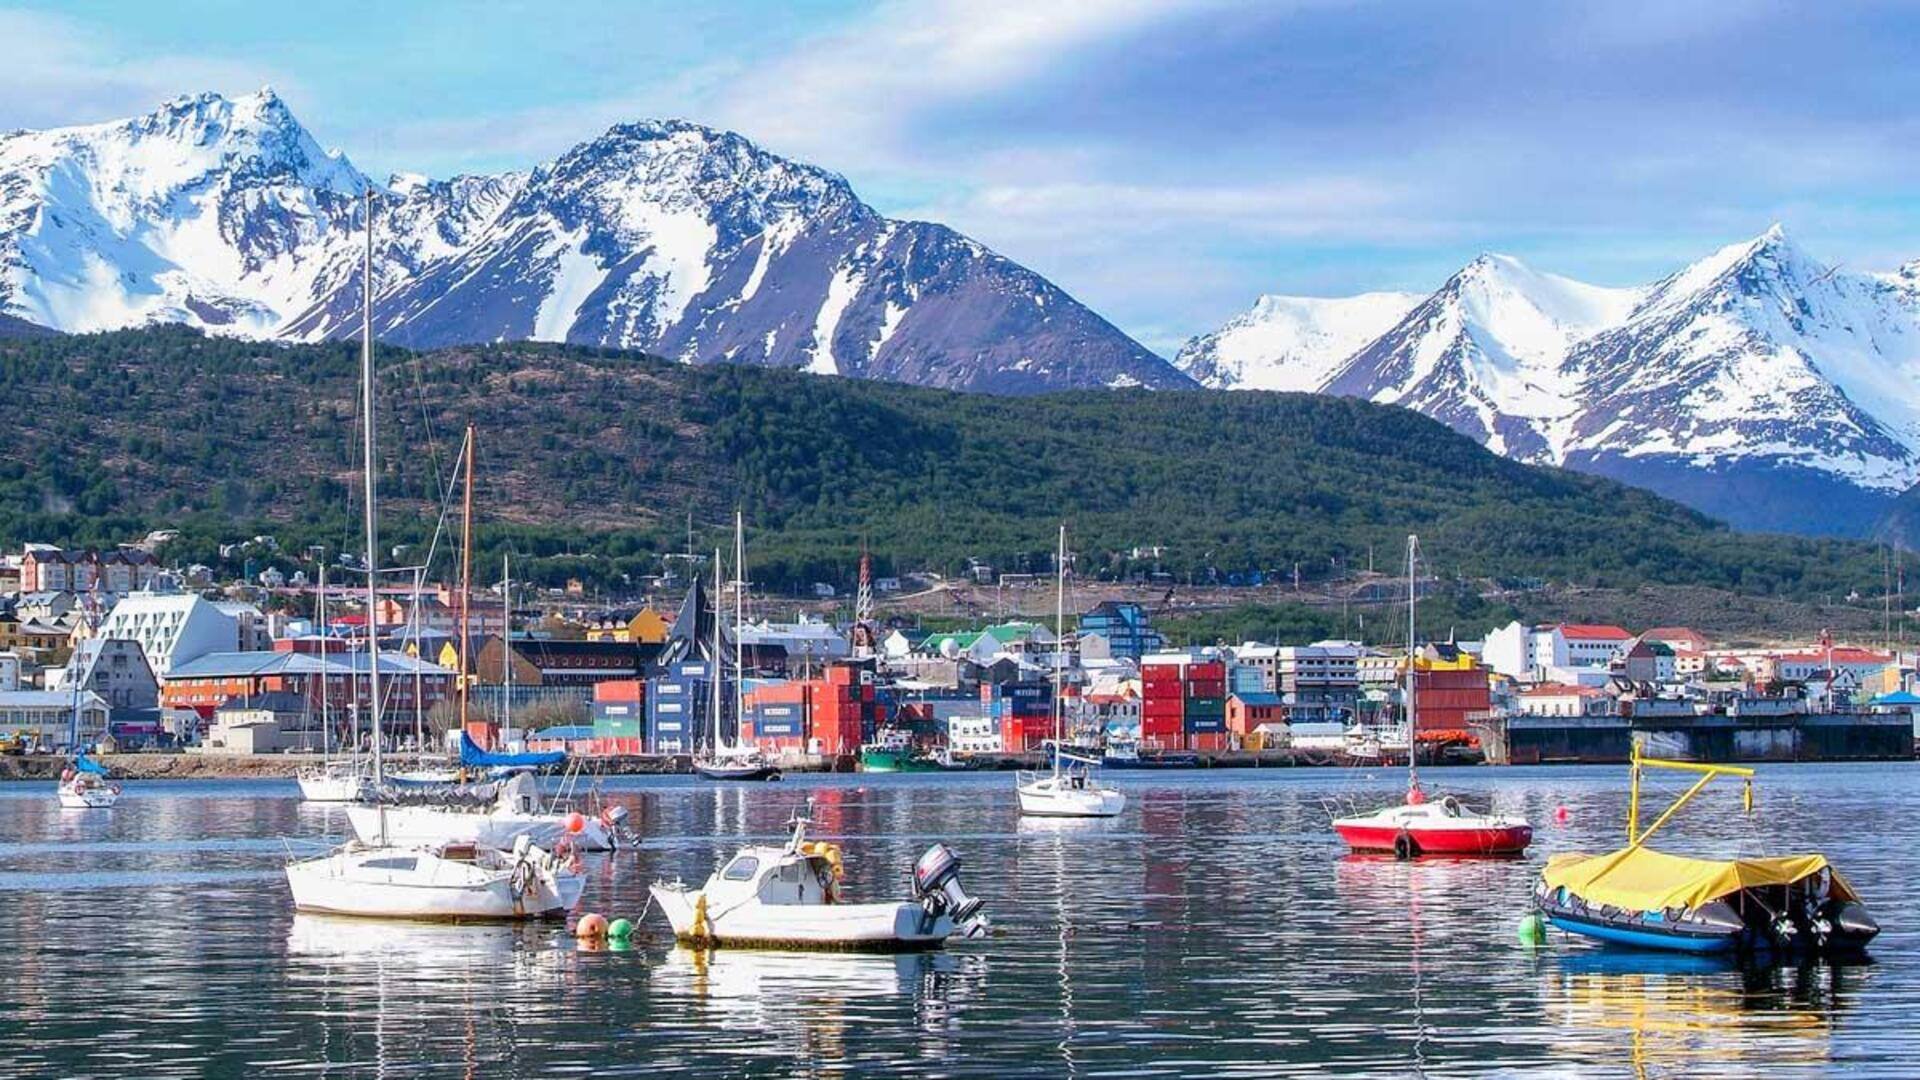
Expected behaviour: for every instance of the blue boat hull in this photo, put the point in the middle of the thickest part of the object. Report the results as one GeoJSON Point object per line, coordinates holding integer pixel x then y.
{"type": "Point", "coordinates": [1696, 944]}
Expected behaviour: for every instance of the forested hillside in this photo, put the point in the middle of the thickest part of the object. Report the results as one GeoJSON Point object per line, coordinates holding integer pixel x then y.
{"type": "Point", "coordinates": [601, 456]}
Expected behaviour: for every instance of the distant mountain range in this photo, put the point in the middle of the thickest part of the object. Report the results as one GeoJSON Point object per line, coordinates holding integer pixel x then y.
{"type": "Point", "coordinates": [1758, 384]}
{"type": "Point", "coordinates": [669, 237]}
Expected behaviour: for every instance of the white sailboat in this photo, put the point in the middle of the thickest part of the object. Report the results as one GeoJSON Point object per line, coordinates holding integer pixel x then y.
{"type": "Point", "coordinates": [729, 759]}
{"type": "Point", "coordinates": [331, 780]}
{"type": "Point", "coordinates": [496, 814]}
{"type": "Point", "coordinates": [1073, 788]}
{"type": "Point", "coordinates": [83, 783]}
{"type": "Point", "coordinates": [384, 879]}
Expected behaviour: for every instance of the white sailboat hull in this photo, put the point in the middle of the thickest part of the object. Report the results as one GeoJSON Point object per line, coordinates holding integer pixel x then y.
{"type": "Point", "coordinates": [427, 826]}
{"type": "Point", "coordinates": [88, 798]}
{"type": "Point", "coordinates": [894, 927]}
{"type": "Point", "coordinates": [331, 786]}
{"type": "Point", "coordinates": [1055, 796]}
{"type": "Point", "coordinates": [401, 882]}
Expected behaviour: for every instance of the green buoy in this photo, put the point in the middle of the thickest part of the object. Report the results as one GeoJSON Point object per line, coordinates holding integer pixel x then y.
{"type": "Point", "coordinates": [619, 930]}
{"type": "Point", "coordinates": [1533, 931]}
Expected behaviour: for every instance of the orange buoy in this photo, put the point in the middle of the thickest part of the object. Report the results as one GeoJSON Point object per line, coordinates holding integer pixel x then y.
{"type": "Point", "coordinates": [575, 822]}
{"type": "Point", "coordinates": [590, 926]}
{"type": "Point", "coordinates": [1560, 814]}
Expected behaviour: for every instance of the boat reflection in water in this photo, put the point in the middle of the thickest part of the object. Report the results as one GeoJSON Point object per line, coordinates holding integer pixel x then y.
{"type": "Point", "coordinates": [825, 998]}
{"type": "Point", "coordinates": [1673, 1014]}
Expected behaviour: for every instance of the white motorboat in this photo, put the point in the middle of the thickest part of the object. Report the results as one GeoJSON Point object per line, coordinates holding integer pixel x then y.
{"type": "Point", "coordinates": [335, 781]}
{"type": "Point", "coordinates": [789, 898]}
{"type": "Point", "coordinates": [496, 814]}
{"type": "Point", "coordinates": [81, 790]}
{"type": "Point", "coordinates": [446, 882]}
{"type": "Point", "coordinates": [1072, 788]}
{"type": "Point", "coordinates": [387, 878]}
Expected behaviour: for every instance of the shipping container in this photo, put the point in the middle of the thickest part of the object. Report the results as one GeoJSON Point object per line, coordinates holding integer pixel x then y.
{"type": "Point", "coordinates": [1209, 742]}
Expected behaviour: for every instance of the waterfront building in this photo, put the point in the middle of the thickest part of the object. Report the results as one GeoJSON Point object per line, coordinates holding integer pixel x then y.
{"type": "Point", "coordinates": [115, 669]}
{"type": "Point", "coordinates": [46, 716]}
{"type": "Point", "coordinates": [545, 662]}
{"type": "Point", "coordinates": [1562, 699]}
{"type": "Point", "coordinates": [1319, 682]}
{"type": "Point", "coordinates": [1541, 653]}
{"type": "Point", "coordinates": [207, 682]}
{"type": "Point", "coordinates": [178, 628]}
{"type": "Point", "coordinates": [1126, 627]}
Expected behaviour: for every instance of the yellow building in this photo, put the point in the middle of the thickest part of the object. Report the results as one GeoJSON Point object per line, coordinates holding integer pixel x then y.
{"type": "Point", "coordinates": [646, 627]}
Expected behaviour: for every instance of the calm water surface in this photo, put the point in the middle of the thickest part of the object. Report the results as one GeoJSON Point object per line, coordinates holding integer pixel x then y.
{"type": "Point", "coordinates": [1214, 929]}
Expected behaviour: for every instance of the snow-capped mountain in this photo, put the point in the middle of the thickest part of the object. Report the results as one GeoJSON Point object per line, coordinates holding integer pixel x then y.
{"type": "Point", "coordinates": [1291, 342]}
{"type": "Point", "coordinates": [662, 236]}
{"type": "Point", "coordinates": [1756, 384]}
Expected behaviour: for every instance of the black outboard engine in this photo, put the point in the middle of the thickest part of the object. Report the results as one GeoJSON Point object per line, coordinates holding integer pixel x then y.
{"type": "Point", "coordinates": [936, 884]}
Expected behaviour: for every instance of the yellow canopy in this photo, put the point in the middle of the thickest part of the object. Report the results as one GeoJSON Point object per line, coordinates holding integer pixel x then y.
{"type": "Point", "coordinates": [1642, 879]}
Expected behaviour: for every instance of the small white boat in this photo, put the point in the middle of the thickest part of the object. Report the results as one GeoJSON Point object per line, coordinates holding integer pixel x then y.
{"type": "Point", "coordinates": [335, 781]}
{"type": "Point", "coordinates": [87, 791]}
{"type": "Point", "coordinates": [1070, 790]}
{"type": "Point", "coordinates": [495, 815]}
{"type": "Point", "coordinates": [447, 882]}
{"type": "Point", "coordinates": [789, 898]}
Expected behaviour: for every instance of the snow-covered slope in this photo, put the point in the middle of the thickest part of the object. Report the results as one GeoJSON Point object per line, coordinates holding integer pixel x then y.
{"type": "Point", "coordinates": [668, 237]}
{"type": "Point", "coordinates": [1756, 383]}
{"type": "Point", "coordinates": [1291, 342]}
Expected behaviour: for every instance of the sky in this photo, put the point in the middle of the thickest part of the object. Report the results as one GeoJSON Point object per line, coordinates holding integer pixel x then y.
{"type": "Point", "coordinates": [1165, 162]}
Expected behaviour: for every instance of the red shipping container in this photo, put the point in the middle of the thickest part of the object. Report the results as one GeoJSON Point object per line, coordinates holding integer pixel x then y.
{"type": "Point", "coordinates": [1154, 725]}
{"type": "Point", "coordinates": [1207, 669]}
{"type": "Point", "coordinates": [1152, 742]}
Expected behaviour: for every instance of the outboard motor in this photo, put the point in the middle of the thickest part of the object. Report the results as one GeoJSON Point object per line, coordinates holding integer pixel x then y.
{"type": "Point", "coordinates": [936, 884]}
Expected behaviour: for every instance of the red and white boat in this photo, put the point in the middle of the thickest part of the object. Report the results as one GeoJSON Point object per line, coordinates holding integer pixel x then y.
{"type": "Point", "coordinates": [1443, 827]}
{"type": "Point", "coordinates": [1420, 826]}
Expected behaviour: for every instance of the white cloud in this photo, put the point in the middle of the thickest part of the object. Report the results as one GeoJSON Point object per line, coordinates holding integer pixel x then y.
{"type": "Point", "coordinates": [56, 72]}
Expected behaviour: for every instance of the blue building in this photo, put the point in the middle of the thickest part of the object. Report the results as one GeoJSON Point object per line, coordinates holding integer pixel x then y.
{"type": "Point", "coordinates": [1125, 626]}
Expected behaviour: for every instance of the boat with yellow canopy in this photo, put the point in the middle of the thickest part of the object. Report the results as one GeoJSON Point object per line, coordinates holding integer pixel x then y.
{"type": "Point", "coordinates": [1793, 904]}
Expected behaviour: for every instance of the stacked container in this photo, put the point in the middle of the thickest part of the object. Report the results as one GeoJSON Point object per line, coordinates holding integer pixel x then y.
{"type": "Point", "coordinates": [619, 716]}
{"type": "Point", "coordinates": [841, 710]}
{"type": "Point", "coordinates": [1163, 705]}
{"type": "Point", "coordinates": [1023, 710]}
{"type": "Point", "coordinates": [677, 705]}
{"type": "Point", "coordinates": [1205, 714]}
{"type": "Point", "coordinates": [776, 716]}
{"type": "Point", "coordinates": [1447, 698]}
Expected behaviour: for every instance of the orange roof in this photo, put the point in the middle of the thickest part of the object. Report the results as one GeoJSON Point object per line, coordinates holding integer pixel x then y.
{"type": "Point", "coordinates": [1592, 631]}
{"type": "Point", "coordinates": [1842, 654]}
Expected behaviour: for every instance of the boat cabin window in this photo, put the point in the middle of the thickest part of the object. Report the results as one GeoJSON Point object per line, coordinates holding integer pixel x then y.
{"type": "Point", "coordinates": [390, 864]}
{"type": "Point", "coordinates": [741, 869]}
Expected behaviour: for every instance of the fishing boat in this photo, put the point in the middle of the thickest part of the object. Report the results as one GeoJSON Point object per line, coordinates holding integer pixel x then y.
{"type": "Point", "coordinates": [384, 878]}
{"type": "Point", "coordinates": [1419, 825]}
{"type": "Point", "coordinates": [892, 751]}
{"type": "Point", "coordinates": [790, 897]}
{"type": "Point", "coordinates": [84, 785]}
{"type": "Point", "coordinates": [727, 758]}
{"type": "Point", "coordinates": [1788, 905]}
{"type": "Point", "coordinates": [1073, 787]}
{"type": "Point", "coordinates": [1125, 754]}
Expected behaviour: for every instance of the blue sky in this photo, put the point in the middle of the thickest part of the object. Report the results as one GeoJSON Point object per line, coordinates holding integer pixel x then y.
{"type": "Point", "coordinates": [1164, 161]}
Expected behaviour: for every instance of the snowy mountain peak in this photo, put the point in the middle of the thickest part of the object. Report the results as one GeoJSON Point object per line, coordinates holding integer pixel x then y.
{"type": "Point", "coordinates": [1291, 343]}
{"type": "Point", "coordinates": [661, 235]}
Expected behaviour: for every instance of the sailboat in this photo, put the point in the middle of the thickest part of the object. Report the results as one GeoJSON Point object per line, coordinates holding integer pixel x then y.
{"type": "Point", "coordinates": [497, 813]}
{"type": "Point", "coordinates": [379, 877]}
{"type": "Point", "coordinates": [83, 783]}
{"type": "Point", "coordinates": [728, 759]}
{"type": "Point", "coordinates": [329, 781]}
{"type": "Point", "coordinates": [1072, 788]}
{"type": "Point", "coordinates": [1420, 826]}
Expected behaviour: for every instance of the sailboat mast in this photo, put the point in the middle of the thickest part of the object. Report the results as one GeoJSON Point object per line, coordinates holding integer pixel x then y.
{"type": "Point", "coordinates": [1413, 772]}
{"type": "Point", "coordinates": [419, 676]}
{"type": "Point", "coordinates": [506, 654]}
{"type": "Point", "coordinates": [373, 536]}
{"type": "Point", "coordinates": [326, 721]}
{"type": "Point", "coordinates": [713, 735]}
{"type": "Point", "coordinates": [739, 621]}
{"type": "Point", "coordinates": [466, 572]}
{"type": "Point", "coordinates": [1059, 643]}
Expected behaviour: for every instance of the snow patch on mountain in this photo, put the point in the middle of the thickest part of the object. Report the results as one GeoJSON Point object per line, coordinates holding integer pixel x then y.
{"type": "Point", "coordinates": [1291, 342]}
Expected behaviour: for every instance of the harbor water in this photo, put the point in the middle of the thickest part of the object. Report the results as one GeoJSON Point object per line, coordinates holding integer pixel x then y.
{"type": "Point", "coordinates": [1215, 929]}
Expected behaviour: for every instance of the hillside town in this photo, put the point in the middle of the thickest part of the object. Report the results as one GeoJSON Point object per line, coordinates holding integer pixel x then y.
{"type": "Point", "coordinates": [144, 656]}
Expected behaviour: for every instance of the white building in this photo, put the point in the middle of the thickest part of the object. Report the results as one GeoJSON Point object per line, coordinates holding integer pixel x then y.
{"type": "Point", "coordinates": [175, 628]}
{"type": "Point", "coordinates": [115, 669]}
{"type": "Point", "coordinates": [973, 735]}
{"type": "Point", "coordinates": [1563, 651]}
{"type": "Point", "coordinates": [808, 639]}
{"type": "Point", "coordinates": [46, 716]}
